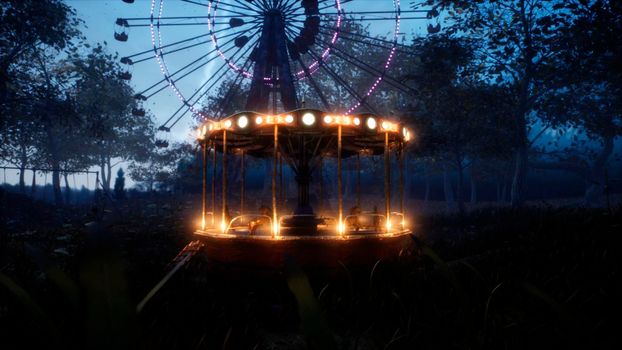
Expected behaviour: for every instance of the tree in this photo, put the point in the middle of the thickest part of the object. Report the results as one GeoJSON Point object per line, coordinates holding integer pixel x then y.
{"type": "Point", "coordinates": [591, 99]}
{"type": "Point", "coordinates": [159, 171]}
{"type": "Point", "coordinates": [27, 26]}
{"type": "Point", "coordinates": [117, 128]}
{"type": "Point", "coordinates": [519, 50]}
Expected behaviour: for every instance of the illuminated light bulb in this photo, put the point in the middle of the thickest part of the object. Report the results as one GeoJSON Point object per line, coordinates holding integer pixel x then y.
{"type": "Point", "coordinates": [328, 119]}
{"type": "Point", "coordinates": [308, 119]}
{"type": "Point", "coordinates": [404, 132]}
{"type": "Point", "coordinates": [242, 122]}
{"type": "Point", "coordinates": [258, 120]}
{"type": "Point", "coordinates": [211, 126]}
{"type": "Point", "coordinates": [386, 125]}
{"type": "Point", "coordinates": [204, 130]}
{"type": "Point", "coordinates": [289, 119]}
{"type": "Point", "coordinates": [228, 123]}
{"type": "Point", "coordinates": [371, 123]}
{"type": "Point", "coordinates": [357, 121]}
{"type": "Point", "coordinates": [346, 120]}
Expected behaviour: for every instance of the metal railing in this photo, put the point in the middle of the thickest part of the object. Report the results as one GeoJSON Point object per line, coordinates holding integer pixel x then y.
{"type": "Point", "coordinates": [250, 223]}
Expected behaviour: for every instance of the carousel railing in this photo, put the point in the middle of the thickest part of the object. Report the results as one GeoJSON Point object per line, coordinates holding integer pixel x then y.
{"type": "Point", "coordinates": [250, 224]}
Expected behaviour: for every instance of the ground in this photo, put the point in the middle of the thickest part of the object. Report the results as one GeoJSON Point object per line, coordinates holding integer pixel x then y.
{"type": "Point", "coordinates": [495, 278]}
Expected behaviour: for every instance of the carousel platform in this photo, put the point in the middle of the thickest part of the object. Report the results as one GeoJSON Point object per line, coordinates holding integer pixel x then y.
{"type": "Point", "coordinates": [261, 248]}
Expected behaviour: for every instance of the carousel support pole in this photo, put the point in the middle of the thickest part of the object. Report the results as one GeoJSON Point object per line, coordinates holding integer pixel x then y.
{"type": "Point", "coordinates": [213, 183]}
{"type": "Point", "coordinates": [321, 185]}
{"type": "Point", "coordinates": [224, 181]}
{"type": "Point", "coordinates": [243, 184]}
{"type": "Point", "coordinates": [387, 180]}
{"type": "Point", "coordinates": [204, 192]}
{"type": "Point", "coordinates": [402, 155]}
{"type": "Point", "coordinates": [358, 179]}
{"type": "Point", "coordinates": [339, 182]}
{"type": "Point", "coordinates": [274, 168]}
{"type": "Point", "coordinates": [281, 191]}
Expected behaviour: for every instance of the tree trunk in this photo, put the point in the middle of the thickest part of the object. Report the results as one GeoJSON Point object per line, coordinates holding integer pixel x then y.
{"type": "Point", "coordinates": [53, 148]}
{"type": "Point", "coordinates": [426, 196]}
{"type": "Point", "coordinates": [22, 183]}
{"type": "Point", "coordinates": [67, 189]}
{"type": "Point", "coordinates": [473, 190]}
{"type": "Point", "coordinates": [520, 170]}
{"type": "Point", "coordinates": [460, 187]}
{"type": "Point", "coordinates": [449, 193]}
{"type": "Point", "coordinates": [33, 187]}
{"type": "Point", "coordinates": [58, 196]}
{"type": "Point", "coordinates": [596, 179]}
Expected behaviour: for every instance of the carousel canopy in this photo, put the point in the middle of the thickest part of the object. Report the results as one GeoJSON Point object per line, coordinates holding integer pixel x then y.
{"type": "Point", "coordinates": [317, 131]}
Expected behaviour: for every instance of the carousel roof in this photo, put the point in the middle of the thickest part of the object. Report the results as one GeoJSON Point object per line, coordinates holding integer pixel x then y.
{"type": "Point", "coordinates": [254, 133]}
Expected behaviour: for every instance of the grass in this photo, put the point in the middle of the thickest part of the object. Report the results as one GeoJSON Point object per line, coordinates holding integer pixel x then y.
{"type": "Point", "coordinates": [497, 278]}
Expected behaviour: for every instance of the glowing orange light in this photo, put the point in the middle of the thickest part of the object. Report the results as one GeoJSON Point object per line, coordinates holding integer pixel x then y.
{"type": "Point", "coordinates": [223, 226]}
{"type": "Point", "coordinates": [259, 120]}
{"type": "Point", "coordinates": [341, 228]}
{"type": "Point", "coordinates": [357, 121]}
{"type": "Point", "coordinates": [275, 229]}
{"type": "Point", "coordinates": [228, 123]}
{"type": "Point", "coordinates": [328, 119]}
{"type": "Point", "coordinates": [289, 119]}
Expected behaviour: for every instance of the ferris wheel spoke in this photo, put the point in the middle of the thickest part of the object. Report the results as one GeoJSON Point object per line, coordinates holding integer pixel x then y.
{"type": "Point", "coordinates": [346, 13]}
{"type": "Point", "coordinates": [371, 70]}
{"type": "Point", "coordinates": [333, 5]}
{"type": "Point", "coordinates": [225, 63]}
{"type": "Point", "coordinates": [245, 4]}
{"type": "Point", "coordinates": [232, 87]}
{"type": "Point", "coordinates": [288, 8]}
{"type": "Point", "coordinates": [190, 24]}
{"type": "Point", "coordinates": [340, 81]}
{"type": "Point", "coordinates": [187, 73]}
{"type": "Point", "coordinates": [256, 5]}
{"type": "Point", "coordinates": [213, 79]}
{"type": "Point", "coordinates": [167, 45]}
{"type": "Point", "coordinates": [166, 78]}
{"type": "Point", "coordinates": [228, 7]}
{"type": "Point", "coordinates": [346, 35]}
{"type": "Point", "coordinates": [314, 85]}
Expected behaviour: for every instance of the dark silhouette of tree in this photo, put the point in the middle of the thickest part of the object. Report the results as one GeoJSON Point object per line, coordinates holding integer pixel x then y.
{"type": "Point", "coordinates": [590, 102]}
{"type": "Point", "coordinates": [518, 50]}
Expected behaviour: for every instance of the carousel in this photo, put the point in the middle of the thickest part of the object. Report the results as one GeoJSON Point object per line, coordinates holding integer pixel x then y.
{"type": "Point", "coordinates": [305, 139]}
{"type": "Point", "coordinates": [277, 52]}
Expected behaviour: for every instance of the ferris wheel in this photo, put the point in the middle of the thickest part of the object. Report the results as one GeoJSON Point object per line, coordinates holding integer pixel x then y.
{"type": "Point", "coordinates": [270, 48]}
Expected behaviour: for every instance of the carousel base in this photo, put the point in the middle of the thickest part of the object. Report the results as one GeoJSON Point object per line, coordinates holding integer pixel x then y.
{"type": "Point", "coordinates": [356, 249]}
